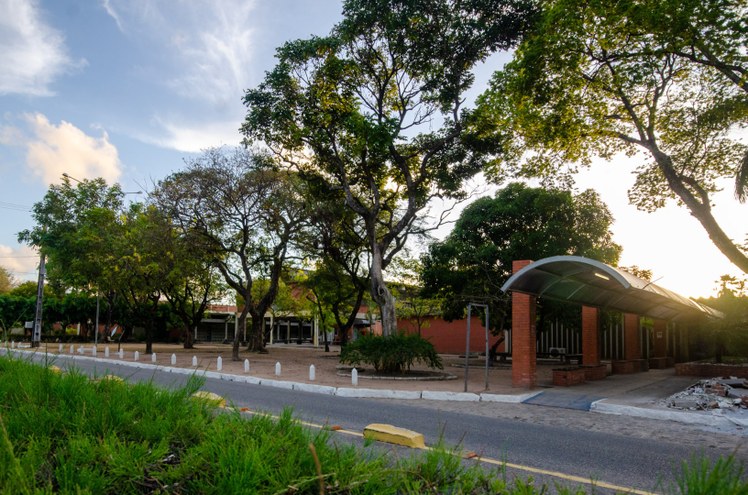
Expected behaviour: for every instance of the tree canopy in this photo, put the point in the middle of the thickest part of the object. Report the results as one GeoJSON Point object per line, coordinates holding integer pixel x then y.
{"type": "Point", "coordinates": [248, 214]}
{"type": "Point", "coordinates": [519, 222]}
{"type": "Point", "coordinates": [375, 109]}
{"type": "Point", "coordinates": [662, 80]}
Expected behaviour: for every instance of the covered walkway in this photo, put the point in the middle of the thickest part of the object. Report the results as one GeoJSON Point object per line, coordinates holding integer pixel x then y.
{"type": "Point", "coordinates": [595, 286]}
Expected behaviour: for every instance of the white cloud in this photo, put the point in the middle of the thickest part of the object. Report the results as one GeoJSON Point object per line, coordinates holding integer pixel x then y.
{"type": "Point", "coordinates": [209, 41]}
{"type": "Point", "coordinates": [112, 12]}
{"type": "Point", "coordinates": [20, 261]}
{"type": "Point", "coordinates": [53, 149]}
{"type": "Point", "coordinates": [32, 53]}
{"type": "Point", "coordinates": [195, 137]}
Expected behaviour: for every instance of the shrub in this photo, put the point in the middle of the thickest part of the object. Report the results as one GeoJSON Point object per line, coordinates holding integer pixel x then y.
{"type": "Point", "coordinates": [391, 354]}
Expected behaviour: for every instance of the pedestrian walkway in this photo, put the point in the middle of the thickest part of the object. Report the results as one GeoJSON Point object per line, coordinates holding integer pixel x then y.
{"type": "Point", "coordinates": [290, 367]}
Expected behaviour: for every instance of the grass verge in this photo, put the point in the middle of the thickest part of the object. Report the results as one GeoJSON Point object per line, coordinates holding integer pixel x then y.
{"type": "Point", "coordinates": [66, 433]}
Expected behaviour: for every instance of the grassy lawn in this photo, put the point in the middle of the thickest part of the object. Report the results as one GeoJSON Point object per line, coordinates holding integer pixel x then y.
{"type": "Point", "coordinates": [66, 433]}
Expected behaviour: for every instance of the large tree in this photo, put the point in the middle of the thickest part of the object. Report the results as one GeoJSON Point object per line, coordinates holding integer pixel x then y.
{"type": "Point", "coordinates": [248, 214]}
{"type": "Point", "coordinates": [662, 80]}
{"type": "Point", "coordinates": [375, 110]}
{"type": "Point", "coordinates": [519, 222]}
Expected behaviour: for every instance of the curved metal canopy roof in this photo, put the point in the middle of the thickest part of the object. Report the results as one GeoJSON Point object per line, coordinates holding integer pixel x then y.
{"type": "Point", "coordinates": [586, 281]}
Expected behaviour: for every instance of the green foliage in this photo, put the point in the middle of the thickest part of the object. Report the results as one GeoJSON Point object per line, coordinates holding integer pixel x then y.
{"type": "Point", "coordinates": [701, 476]}
{"type": "Point", "coordinates": [728, 336]}
{"type": "Point", "coordinates": [247, 214]}
{"type": "Point", "coordinates": [597, 78]}
{"type": "Point", "coordinates": [520, 222]}
{"type": "Point", "coordinates": [357, 112]}
{"type": "Point", "coordinates": [68, 434]}
{"type": "Point", "coordinates": [392, 353]}
{"type": "Point", "coordinates": [7, 281]}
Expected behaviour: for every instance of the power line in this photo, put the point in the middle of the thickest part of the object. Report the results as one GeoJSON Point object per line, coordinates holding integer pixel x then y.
{"type": "Point", "coordinates": [14, 206]}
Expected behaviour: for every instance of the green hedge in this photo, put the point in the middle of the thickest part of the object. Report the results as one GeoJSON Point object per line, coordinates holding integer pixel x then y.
{"type": "Point", "coordinates": [391, 354]}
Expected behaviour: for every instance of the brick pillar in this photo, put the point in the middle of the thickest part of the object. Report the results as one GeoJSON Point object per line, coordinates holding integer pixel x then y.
{"type": "Point", "coordinates": [590, 336]}
{"type": "Point", "coordinates": [659, 341]}
{"type": "Point", "coordinates": [632, 343]}
{"type": "Point", "coordinates": [523, 335]}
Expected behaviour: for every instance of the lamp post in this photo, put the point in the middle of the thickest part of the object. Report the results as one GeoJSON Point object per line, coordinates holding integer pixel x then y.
{"type": "Point", "coordinates": [467, 342]}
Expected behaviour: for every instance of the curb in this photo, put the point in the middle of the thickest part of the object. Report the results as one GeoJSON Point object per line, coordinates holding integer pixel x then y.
{"type": "Point", "coordinates": [451, 396]}
{"type": "Point", "coordinates": [693, 418]}
{"type": "Point", "coordinates": [376, 393]}
{"type": "Point", "coordinates": [507, 398]}
{"type": "Point", "coordinates": [395, 435]}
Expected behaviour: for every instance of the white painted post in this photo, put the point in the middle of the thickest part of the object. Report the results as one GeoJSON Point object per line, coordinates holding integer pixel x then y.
{"type": "Point", "coordinates": [60, 349]}
{"type": "Point", "coordinates": [354, 377]}
{"type": "Point", "coordinates": [194, 361]}
{"type": "Point", "coordinates": [153, 357]}
{"type": "Point", "coordinates": [106, 351]}
{"type": "Point", "coordinates": [93, 351]}
{"type": "Point", "coordinates": [277, 368]}
{"type": "Point", "coordinates": [136, 356]}
{"type": "Point", "coordinates": [219, 363]}
{"type": "Point", "coordinates": [72, 349]}
{"type": "Point", "coordinates": [246, 365]}
{"type": "Point", "coordinates": [173, 359]}
{"type": "Point", "coordinates": [312, 373]}
{"type": "Point", "coordinates": [12, 344]}
{"type": "Point", "coordinates": [121, 353]}
{"type": "Point", "coordinates": [80, 350]}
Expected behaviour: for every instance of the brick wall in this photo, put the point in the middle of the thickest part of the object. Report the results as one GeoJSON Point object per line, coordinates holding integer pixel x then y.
{"type": "Point", "coordinates": [632, 346]}
{"type": "Point", "coordinates": [523, 335]}
{"type": "Point", "coordinates": [711, 369]}
{"type": "Point", "coordinates": [448, 337]}
{"type": "Point", "coordinates": [590, 336]}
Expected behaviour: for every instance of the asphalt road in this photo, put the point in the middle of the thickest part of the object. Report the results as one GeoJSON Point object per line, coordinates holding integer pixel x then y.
{"type": "Point", "coordinates": [573, 454]}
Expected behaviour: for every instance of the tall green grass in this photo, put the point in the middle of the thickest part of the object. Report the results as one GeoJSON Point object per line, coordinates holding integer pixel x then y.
{"type": "Point", "coordinates": [66, 433]}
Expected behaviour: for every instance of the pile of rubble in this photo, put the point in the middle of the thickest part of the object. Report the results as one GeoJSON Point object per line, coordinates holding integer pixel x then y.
{"type": "Point", "coordinates": [714, 393]}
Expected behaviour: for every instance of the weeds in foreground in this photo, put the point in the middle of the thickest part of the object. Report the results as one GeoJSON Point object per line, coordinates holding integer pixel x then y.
{"type": "Point", "coordinates": [64, 433]}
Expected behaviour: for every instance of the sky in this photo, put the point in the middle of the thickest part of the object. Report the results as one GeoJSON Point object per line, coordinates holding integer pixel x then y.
{"type": "Point", "coordinates": [128, 89]}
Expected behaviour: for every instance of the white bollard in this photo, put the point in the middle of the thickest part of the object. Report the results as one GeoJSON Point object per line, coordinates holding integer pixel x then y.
{"type": "Point", "coordinates": [93, 351]}
{"type": "Point", "coordinates": [354, 377]}
{"type": "Point", "coordinates": [72, 349]}
{"type": "Point", "coordinates": [106, 351]}
{"type": "Point", "coordinates": [246, 365]}
{"type": "Point", "coordinates": [81, 350]}
{"type": "Point", "coordinates": [277, 369]}
{"type": "Point", "coordinates": [219, 363]}
{"type": "Point", "coordinates": [136, 356]}
{"type": "Point", "coordinates": [121, 353]}
{"type": "Point", "coordinates": [173, 359]}
{"type": "Point", "coordinates": [60, 349]}
{"type": "Point", "coordinates": [13, 344]}
{"type": "Point", "coordinates": [312, 373]}
{"type": "Point", "coordinates": [194, 360]}
{"type": "Point", "coordinates": [153, 357]}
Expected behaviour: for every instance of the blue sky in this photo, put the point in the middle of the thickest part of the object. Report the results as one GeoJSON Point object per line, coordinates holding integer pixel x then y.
{"type": "Point", "coordinates": [126, 89]}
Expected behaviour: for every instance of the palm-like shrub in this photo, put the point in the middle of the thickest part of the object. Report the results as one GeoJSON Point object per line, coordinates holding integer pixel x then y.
{"type": "Point", "coordinates": [391, 354]}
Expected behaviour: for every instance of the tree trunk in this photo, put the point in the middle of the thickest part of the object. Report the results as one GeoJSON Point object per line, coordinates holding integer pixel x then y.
{"type": "Point", "coordinates": [381, 294]}
{"type": "Point", "coordinates": [701, 210]}
{"type": "Point", "coordinates": [189, 342]}
{"type": "Point", "coordinates": [257, 336]}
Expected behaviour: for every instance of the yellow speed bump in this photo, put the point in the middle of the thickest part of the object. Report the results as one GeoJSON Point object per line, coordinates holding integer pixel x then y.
{"type": "Point", "coordinates": [210, 398]}
{"type": "Point", "coordinates": [393, 434]}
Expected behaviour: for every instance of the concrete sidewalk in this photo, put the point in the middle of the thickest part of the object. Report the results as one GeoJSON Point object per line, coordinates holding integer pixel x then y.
{"type": "Point", "coordinates": [637, 395]}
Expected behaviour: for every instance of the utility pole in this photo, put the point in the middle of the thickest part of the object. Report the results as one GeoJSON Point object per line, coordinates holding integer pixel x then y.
{"type": "Point", "coordinates": [36, 337]}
